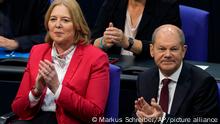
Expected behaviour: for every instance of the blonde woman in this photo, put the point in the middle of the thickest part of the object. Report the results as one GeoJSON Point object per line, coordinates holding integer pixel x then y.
{"type": "Point", "coordinates": [67, 79]}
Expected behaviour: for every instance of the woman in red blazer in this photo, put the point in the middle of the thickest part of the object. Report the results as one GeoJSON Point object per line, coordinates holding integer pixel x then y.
{"type": "Point", "coordinates": [66, 80]}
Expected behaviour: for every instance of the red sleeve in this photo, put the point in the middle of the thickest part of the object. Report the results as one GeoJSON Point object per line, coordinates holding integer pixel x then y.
{"type": "Point", "coordinates": [21, 103]}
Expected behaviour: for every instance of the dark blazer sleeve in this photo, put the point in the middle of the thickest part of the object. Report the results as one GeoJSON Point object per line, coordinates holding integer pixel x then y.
{"type": "Point", "coordinates": [172, 12]}
{"type": "Point", "coordinates": [104, 17]}
{"type": "Point", "coordinates": [29, 30]}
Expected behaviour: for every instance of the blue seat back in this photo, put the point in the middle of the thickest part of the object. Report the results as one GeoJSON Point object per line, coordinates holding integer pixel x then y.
{"type": "Point", "coordinates": [218, 83]}
{"type": "Point", "coordinates": [195, 28]}
{"type": "Point", "coordinates": [112, 107]}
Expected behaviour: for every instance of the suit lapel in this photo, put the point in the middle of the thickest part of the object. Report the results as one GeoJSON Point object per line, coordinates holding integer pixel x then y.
{"type": "Point", "coordinates": [74, 63]}
{"type": "Point", "coordinates": [152, 86]}
{"type": "Point", "coordinates": [182, 88]}
{"type": "Point", "coordinates": [155, 87]}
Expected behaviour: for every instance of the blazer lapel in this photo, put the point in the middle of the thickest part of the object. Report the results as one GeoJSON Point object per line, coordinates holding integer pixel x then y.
{"type": "Point", "coordinates": [121, 14]}
{"type": "Point", "coordinates": [74, 63]}
{"type": "Point", "coordinates": [146, 17]}
{"type": "Point", "coordinates": [47, 54]}
{"type": "Point", "coordinates": [182, 88]}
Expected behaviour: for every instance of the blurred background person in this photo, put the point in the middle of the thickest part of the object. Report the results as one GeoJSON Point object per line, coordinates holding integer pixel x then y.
{"type": "Point", "coordinates": [22, 23]}
{"type": "Point", "coordinates": [126, 26]}
{"type": "Point", "coordinates": [174, 88]}
{"type": "Point", "coordinates": [66, 80]}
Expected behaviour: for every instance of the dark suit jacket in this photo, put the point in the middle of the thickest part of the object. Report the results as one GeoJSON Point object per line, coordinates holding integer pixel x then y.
{"type": "Point", "coordinates": [84, 90]}
{"type": "Point", "coordinates": [26, 21]}
{"type": "Point", "coordinates": [195, 94]}
{"type": "Point", "coordinates": [156, 13]}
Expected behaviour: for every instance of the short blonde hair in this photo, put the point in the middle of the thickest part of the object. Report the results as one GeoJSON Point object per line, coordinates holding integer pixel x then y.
{"type": "Point", "coordinates": [82, 33]}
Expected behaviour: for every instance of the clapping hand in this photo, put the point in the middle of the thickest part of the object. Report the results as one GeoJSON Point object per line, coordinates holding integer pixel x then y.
{"type": "Point", "coordinates": [49, 75]}
{"type": "Point", "coordinates": [145, 111]}
{"type": "Point", "coordinates": [113, 35]}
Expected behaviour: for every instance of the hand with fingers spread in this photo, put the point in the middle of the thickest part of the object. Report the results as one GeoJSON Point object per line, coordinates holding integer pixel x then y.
{"type": "Point", "coordinates": [147, 111]}
{"type": "Point", "coordinates": [142, 105]}
{"type": "Point", "coordinates": [49, 75]}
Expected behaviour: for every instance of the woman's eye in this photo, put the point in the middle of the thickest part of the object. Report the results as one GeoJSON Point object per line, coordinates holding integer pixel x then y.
{"type": "Point", "coordinates": [66, 20]}
{"type": "Point", "coordinates": [52, 19]}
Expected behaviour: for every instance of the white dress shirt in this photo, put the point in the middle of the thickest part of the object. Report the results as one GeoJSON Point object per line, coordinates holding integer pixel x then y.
{"type": "Point", "coordinates": [171, 87]}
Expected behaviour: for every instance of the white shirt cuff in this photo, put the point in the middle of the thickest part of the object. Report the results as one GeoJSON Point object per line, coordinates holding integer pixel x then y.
{"type": "Point", "coordinates": [33, 100]}
{"type": "Point", "coordinates": [57, 94]}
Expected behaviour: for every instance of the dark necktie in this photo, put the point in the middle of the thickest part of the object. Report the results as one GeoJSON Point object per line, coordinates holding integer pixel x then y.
{"type": "Point", "coordinates": [164, 95]}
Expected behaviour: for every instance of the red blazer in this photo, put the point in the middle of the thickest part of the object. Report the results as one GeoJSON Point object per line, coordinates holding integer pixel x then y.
{"type": "Point", "coordinates": [84, 89]}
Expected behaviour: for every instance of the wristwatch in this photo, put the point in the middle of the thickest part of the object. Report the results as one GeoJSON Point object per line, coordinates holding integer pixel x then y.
{"type": "Point", "coordinates": [131, 43]}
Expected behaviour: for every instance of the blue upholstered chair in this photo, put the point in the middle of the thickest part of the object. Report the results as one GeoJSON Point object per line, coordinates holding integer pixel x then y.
{"type": "Point", "coordinates": [195, 28]}
{"type": "Point", "coordinates": [218, 83]}
{"type": "Point", "coordinates": [112, 107]}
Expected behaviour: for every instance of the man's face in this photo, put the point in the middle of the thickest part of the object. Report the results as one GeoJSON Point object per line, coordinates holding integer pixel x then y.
{"type": "Point", "coordinates": [167, 50]}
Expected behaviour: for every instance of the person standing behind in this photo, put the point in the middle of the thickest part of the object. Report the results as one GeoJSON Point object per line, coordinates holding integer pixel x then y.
{"type": "Point", "coordinates": [66, 80]}
{"type": "Point", "coordinates": [22, 23]}
{"type": "Point", "coordinates": [126, 26]}
{"type": "Point", "coordinates": [174, 88]}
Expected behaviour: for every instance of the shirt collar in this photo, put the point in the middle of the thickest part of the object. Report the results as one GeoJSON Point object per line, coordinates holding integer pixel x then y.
{"type": "Point", "coordinates": [66, 56]}
{"type": "Point", "coordinates": [174, 77]}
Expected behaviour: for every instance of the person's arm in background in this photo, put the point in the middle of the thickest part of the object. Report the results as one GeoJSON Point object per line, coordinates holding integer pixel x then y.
{"type": "Point", "coordinates": [112, 35]}
{"type": "Point", "coordinates": [26, 42]}
{"type": "Point", "coordinates": [30, 34]}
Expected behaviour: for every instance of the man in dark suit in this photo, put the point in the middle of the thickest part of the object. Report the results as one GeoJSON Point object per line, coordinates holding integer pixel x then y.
{"type": "Point", "coordinates": [22, 23]}
{"type": "Point", "coordinates": [190, 94]}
